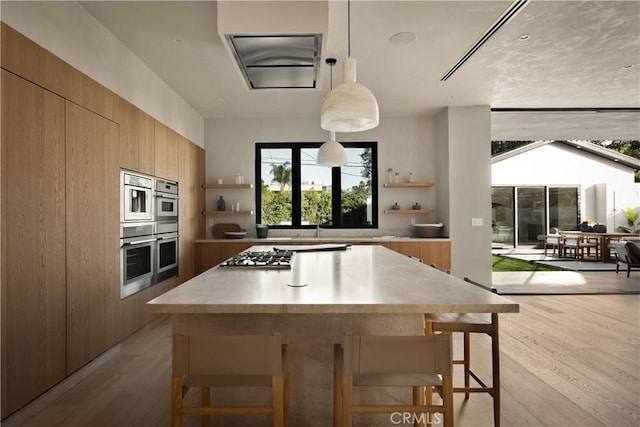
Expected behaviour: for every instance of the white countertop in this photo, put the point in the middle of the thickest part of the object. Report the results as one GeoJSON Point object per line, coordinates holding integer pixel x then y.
{"type": "Point", "coordinates": [362, 279]}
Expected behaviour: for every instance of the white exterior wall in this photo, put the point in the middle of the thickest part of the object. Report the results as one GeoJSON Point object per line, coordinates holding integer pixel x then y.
{"type": "Point", "coordinates": [599, 180]}
{"type": "Point", "coordinates": [71, 33]}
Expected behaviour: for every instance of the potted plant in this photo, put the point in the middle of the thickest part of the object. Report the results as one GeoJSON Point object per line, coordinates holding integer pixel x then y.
{"type": "Point", "coordinates": [632, 222]}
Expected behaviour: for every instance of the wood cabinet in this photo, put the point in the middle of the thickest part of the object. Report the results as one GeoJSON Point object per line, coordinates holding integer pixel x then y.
{"type": "Point", "coordinates": [211, 253]}
{"type": "Point", "coordinates": [64, 140]}
{"type": "Point", "coordinates": [92, 182]}
{"type": "Point", "coordinates": [165, 152]}
{"type": "Point", "coordinates": [191, 170]}
{"type": "Point", "coordinates": [33, 240]}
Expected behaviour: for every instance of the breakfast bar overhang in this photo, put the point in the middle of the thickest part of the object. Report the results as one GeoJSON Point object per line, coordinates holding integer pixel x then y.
{"type": "Point", "coordinates": [366, 289]}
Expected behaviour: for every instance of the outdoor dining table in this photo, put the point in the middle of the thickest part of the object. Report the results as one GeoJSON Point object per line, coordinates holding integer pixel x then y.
{"type": "Point", "coordinates": [604, 239]}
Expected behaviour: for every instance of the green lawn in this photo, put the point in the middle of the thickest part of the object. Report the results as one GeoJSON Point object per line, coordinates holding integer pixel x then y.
{"type": "Point", "coordinates": [510, 264]}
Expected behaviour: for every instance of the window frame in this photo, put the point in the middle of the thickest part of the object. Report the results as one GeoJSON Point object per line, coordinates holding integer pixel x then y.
{"type": "Point", "coordinates": [336, 188]}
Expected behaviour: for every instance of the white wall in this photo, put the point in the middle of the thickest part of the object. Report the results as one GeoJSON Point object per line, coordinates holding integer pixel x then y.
{"type": "Point", "coordinates": [556, 164]}
{"type": "Point", "coordinates": [464, 143]}
{"type": "Point", "coordinates": [404, 144]}
{"type": "Point", "coordinates": [68, 31]}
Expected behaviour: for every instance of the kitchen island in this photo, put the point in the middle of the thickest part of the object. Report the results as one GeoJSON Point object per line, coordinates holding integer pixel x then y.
{"type": "Point", "coordinates": [367, 289]}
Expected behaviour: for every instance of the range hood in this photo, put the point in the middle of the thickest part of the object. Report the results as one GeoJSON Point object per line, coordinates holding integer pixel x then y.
{"type": "Point", "coordinates": [275, 45]}
{"type": "Point", "coordinates": [277, 61]}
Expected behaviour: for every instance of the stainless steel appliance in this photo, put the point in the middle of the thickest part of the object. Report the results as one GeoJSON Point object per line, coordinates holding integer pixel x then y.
{"type": "Point", "coordinates": [166, 250]}
{"type": "Point", "coordinates": [166, 200]}
{"type": "Point", "coordinates": [136, 193]}
{"type": "Point", "coordinates": [137, 257]}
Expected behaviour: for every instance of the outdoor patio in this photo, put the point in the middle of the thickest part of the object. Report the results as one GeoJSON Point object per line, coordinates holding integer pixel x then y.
{"type": "Point", "coordinates": [576, 277]}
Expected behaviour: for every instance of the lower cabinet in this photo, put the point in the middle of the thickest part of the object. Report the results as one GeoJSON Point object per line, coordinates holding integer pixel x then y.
{"type": "Point", "coordinates": [210, 254]}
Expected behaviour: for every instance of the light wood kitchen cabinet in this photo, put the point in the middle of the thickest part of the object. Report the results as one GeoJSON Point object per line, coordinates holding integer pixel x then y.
{"type": "Point", "coordinates": [191, 170]}
{"type": "Point", "coordinates": [166, 152]}
{"type": "Point", "coordinates": [211, 253]}
{"type": "Point", "coordinates": [92, 182]}
{"type": "Point", "coordinates": [146, 143]}
{"type": "Point", "coordinates": [129, 146]}
{"type": "Point", "coordinates": [33, 241]}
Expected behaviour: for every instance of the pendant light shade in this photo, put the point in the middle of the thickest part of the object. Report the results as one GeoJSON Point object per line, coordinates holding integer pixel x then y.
{"type": "Point", "coordinates": [351, 106]}
{"type": "Point", "coordinates": [332, 153]}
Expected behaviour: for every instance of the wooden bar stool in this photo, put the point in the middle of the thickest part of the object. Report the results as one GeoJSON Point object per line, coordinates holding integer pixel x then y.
{"type": "Point", "coordinates": [229, 361]}
{"type": "Point", "coordinates": [393, 361]}
{"type": "Point", "coordinates": [468, 323]}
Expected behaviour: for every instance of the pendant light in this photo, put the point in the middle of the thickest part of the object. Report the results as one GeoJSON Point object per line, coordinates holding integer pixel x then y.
{"type": "Point", "coordinates": [350, 107]}
{"type": "Point", "coordinates": [332, 153]}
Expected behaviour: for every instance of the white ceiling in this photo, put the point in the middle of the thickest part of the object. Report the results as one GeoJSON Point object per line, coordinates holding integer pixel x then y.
{"type": "Point", "coordinates": [575, 58]}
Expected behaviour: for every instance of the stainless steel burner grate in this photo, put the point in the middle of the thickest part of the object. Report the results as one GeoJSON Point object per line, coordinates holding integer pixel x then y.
{"type": "Point", "coordinates": [267, 259]}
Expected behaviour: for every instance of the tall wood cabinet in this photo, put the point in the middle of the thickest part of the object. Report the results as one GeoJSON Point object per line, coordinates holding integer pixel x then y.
{"type": "Point", "coordinates": [33, 241]}
{"type": "Point", "coordinates": [64, 140]}
{"type": "Point", "coordinates": [92, 182]}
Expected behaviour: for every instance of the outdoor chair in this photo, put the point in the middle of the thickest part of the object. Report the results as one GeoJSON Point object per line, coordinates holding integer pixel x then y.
{"type": "Point", "coordinates": [577, 245]}
{"type": "Point", "coordinates": [626, 252]}
{"type": "Point", "coordinates": [553, 240]}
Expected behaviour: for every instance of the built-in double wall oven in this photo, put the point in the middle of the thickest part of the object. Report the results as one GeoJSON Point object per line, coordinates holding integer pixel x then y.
{"type": "Point", "coordinates": [148, 231]}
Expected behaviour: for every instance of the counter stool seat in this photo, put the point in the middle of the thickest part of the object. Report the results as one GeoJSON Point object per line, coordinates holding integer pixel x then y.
{"type": "Point", "coordinates": [213, 361]}
{"type": "Point", "coordinates": [468, 323]}
{"type": "Point", "coordinates": [393, 361]}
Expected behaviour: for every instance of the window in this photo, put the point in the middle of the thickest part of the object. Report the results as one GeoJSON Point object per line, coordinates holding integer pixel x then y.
{"type": "Point", "coordinates": [294, 192]}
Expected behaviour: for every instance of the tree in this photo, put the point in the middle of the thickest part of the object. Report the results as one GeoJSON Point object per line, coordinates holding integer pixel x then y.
{"type": "Point", "coordinates": [281, 174]}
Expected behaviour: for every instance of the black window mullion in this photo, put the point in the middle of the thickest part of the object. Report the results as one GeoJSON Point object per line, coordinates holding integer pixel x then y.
{"type": "Point", "coordinates": [336, 197]}
{"type": "Point", "coordinates": [296, 195]}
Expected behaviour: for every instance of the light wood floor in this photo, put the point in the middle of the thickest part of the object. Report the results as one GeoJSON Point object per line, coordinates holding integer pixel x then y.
{"type": "Point", "coordinates": [566, 361]}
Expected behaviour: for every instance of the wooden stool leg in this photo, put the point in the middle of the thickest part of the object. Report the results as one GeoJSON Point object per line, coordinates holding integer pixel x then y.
{"type": "Point", "coordinates": [418, 400]}
{"type": "Point", "coordinates": [347, 401]}
{"type": "Point", "coordinates": [467, 363]}
{"type": "Point", "coordinates": [495, 357]}
{"type": "Point", "coordinates": [205, 400]}
{"type": "Point", "coordinates": [176, 401]}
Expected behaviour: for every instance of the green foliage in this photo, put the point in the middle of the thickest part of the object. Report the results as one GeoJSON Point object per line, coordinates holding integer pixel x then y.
{"type": "Point", "coordinates": [276, 207]}
{"type": "Point", "coordinates": [281, 174]}
{"type": "Point", "coordinates": [314, 204]}
{"type": "Point", "coordinates": [632, 222]}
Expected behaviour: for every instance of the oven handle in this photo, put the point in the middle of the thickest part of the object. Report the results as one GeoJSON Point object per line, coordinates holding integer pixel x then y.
{"type": "Point", "coordinates": [138, 242]}
{"type": "Point", "coordinates": [169, 237]}
{"type": "Point", "coordinates": [162, 196]}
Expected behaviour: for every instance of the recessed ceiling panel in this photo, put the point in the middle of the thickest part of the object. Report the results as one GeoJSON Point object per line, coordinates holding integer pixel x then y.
{"type": "Point", "coordinates": [277, 61]}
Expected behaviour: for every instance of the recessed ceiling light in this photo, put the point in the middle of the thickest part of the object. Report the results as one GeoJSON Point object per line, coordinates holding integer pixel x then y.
{"type": "Point", "coordinates": [405, 37]}
{"type": "Point", "coordinates": [178, 41]}
{"type": "Point", "coordinates": [524, 37]}
{"type": "Point", "coordinates": [220, 99]}
{"type": "Point", "coordinates": [626, 67]}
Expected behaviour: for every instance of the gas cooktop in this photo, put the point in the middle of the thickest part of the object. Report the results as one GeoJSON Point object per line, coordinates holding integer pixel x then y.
{"type": "Point", "coordinates": [266, 259]}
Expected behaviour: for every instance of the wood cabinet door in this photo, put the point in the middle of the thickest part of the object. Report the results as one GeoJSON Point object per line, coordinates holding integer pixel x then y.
{"type": "Point", "coordinates": [438, 253]}
{"type": "Point", "coordinates": [129, 136]}
{"type": "Point", "coordinates": [93, 268]}
{"type": "Point", "coordinates": [165, 152]}
{"type": "Point", "coordinates": [191, 177]}
{"type": "Point", "coordinates": [33, 241]}
{"type": "Point", "coordinates": [146, 143]}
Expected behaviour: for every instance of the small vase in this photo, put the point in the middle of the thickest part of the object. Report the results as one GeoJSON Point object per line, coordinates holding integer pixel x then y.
{"type": "Point", "coordinates": [411, 177]}
{"type": "Point", "coordinates": [397, 176]}
{"type": "Point", "coordinates": [416, 207]}
{"type": "Point", "coordinates": [390, 176]}
{"type": "Point", "coordinates": [395, 207]}
{"type": "Point", "coordinates": [222, 205]}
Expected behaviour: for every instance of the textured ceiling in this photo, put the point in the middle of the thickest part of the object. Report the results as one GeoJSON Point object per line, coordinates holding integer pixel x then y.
{"type": "Point", "coordinates": [575, 58]}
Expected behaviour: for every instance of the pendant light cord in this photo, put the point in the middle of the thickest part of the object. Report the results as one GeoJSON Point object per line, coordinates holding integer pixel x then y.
{"type": "Point", "coordinates": [348, 28]}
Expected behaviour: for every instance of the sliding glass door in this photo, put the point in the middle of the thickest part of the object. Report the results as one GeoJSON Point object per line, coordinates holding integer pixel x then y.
{"type": "Point", "coordinates": [521, 214]}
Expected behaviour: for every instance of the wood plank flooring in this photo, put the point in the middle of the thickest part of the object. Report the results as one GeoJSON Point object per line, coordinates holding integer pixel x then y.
{"type": "Point", "coordinates": [566, 361]}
